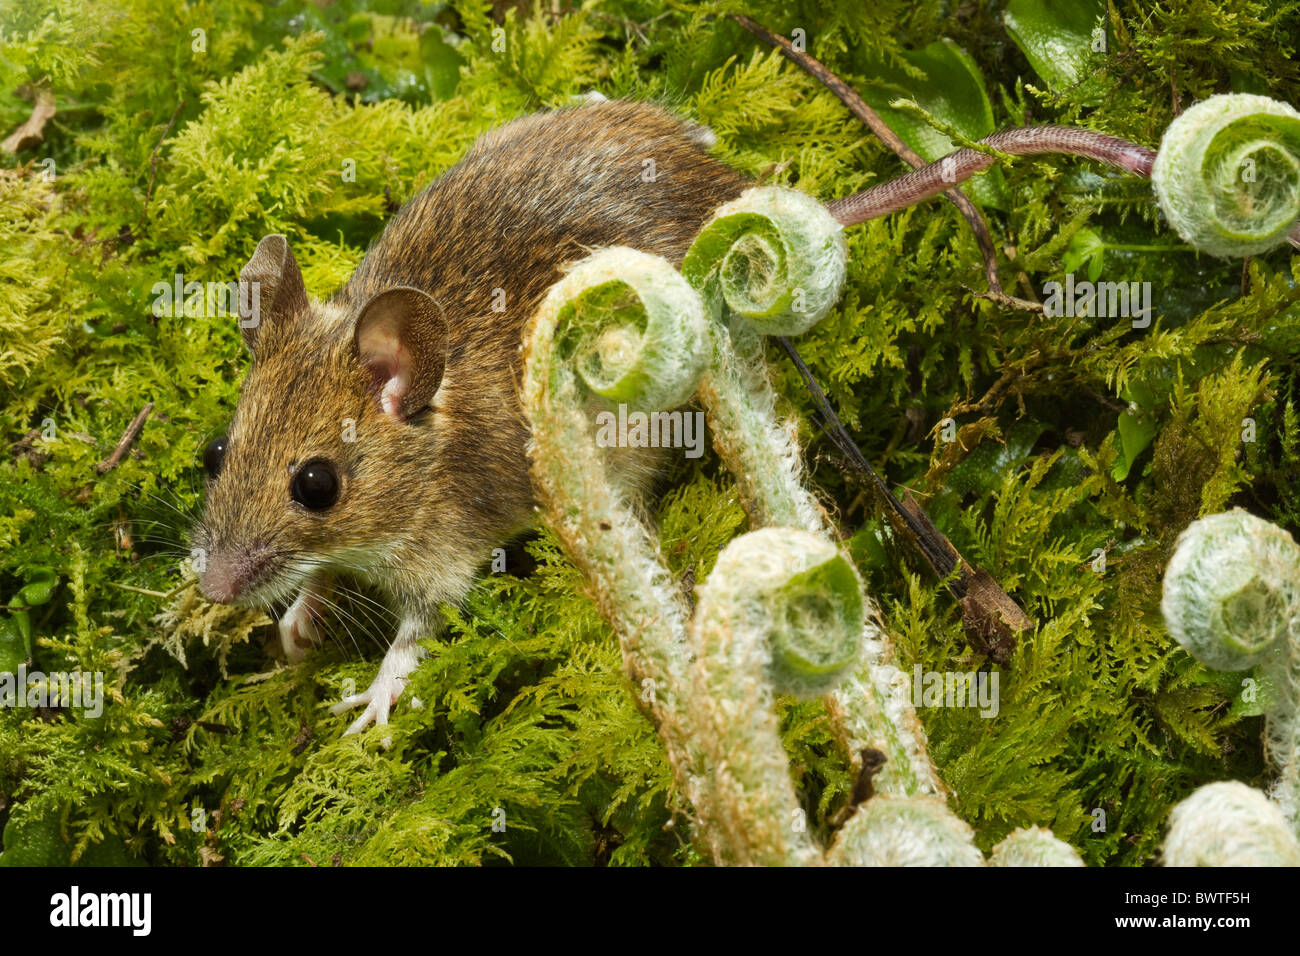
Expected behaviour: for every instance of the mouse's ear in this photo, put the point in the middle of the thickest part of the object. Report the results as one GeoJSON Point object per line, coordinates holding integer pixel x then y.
{"type": "Point", "coordinates": [270, 285]}
{"type": "Point", "coordinates": [401, 337]}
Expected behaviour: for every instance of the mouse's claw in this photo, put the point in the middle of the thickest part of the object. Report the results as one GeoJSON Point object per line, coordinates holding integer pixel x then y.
{"type": "Point", "coordinates": [379, 698]}
{"type": "Point", "coordinates": [378, 701]}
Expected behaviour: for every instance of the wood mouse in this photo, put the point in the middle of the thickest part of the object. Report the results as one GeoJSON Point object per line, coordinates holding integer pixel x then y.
{"type": "Point", "coordinates": [379, 434]}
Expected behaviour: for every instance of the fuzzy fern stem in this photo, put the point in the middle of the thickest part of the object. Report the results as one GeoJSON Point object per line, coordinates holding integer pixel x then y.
{"type": "Point", "coordinates": [627, 325]}
{"type": "Point", "coordinates": [1232, 600]}
{"type": "Point", "coordinates": [872, 707]}
{"type": "Point", "coordinates": [782, 612]}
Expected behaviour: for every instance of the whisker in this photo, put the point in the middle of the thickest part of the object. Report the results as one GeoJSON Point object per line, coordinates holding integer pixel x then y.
{"type": "Point", "coordinates": [344, 617]}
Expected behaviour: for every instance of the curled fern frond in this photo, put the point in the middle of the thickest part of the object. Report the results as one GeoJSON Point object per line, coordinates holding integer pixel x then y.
{"type": "Point", "coordinates": [633, 328]}
{"type": "Point", "coordinates": [1229, 824]}
{"type": "Point", "coordinates": [792, 598]}
{"type": "Point", "coordinates": [1232, 600]}
{"type": "Point", "coordinates": [1034, 846]}
{"type": "Point", "coordinates": [653, 319]}
{"type": "Point", "coordinates": [905, 831]}
{"type": "Point", "coordinates": [774, 256]}
{"type": "Point", "coordinates": [1232, 589]}
{"type": "Point", "coordinates": [1228, 174]}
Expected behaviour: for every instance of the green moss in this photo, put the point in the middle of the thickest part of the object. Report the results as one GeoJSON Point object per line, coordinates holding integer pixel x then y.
{"type": "Point", "coordinates": [169, 159]}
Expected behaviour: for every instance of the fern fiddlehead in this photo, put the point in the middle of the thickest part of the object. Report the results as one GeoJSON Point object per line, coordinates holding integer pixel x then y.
{"type": "Point", "coordinates": [1228, 174]}
{"type": "Point", "coordinates": [781, 612]}
{"type": "Point", "coordinates": [751, 264]}
{"type": "Point", "coordinates": [773, 256]}
{"type": "Point", "coordinates": [1229, 824]}
{"type": "Point", "coordinates": [1232, 600]}
{"type": "Point", "coordinates": [892, 830]}
{"type": "Point", "coordinates": [625, 325]}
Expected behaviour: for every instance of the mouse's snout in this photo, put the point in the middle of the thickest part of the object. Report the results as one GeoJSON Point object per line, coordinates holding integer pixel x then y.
{"type": "Point", "coordinates": [230, 574]}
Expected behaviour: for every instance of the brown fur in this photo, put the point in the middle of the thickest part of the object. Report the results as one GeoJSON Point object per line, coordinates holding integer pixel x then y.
{"type": "Point", "coordinates": [424, 502]}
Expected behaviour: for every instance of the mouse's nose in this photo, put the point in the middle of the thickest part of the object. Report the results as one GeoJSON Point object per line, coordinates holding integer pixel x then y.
{"type": "Point", "coordinates": [229, 574]}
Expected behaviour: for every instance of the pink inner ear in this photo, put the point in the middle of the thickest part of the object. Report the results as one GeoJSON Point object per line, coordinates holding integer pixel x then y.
{"type": "Point", "coordinates": [397, 385]}
{"type": "Point", "coordinates": [401, 339]}
{"type": "Point", "coordinates": [389, 363]}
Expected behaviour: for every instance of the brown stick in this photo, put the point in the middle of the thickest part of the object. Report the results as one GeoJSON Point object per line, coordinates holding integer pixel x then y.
{"type": "Point", "coordinates": [126, 441]}
{"type": "Point", "coordinates": [153, 160]}
{"type": "Point", "coordinates": [859, 108]}
{"type": "Point", "coordinates": [990, 617]}
{"type": "Point", "coordinates": [32, 131]}
{"type": "Point", "coordinates": [871, 761]}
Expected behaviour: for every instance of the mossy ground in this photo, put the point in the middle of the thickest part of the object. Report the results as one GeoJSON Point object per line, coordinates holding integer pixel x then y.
{"type": "Point", "coordinates": [174, 151]}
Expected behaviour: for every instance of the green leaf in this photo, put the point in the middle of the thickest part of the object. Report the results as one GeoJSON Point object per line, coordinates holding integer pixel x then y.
{"type": "Point", "coordinates": [1137, 429]}
{"type": "Point", "coordinates": [34, 842]}
{"type": "Point", "coordinates": [441, 63]}
{"type": "Point", "coordinates": [374, 54]}
{"type": "Point", "coordinates": [949, 88]}
{"type": "Point", "coordinates": [409, 65]}
{"type": "Point", "coordinates": [1252, 695]}
{"type": "Point", "coordinates": [867, 547]}
{"type": "Point", "coordinates": [1056, 36]}
{"type": "Point", "coordinates": [13, 648]}
{"type": "Point", "coordinates": [39, 842]}
{"type": "Point", "coordinates": [40, 588]}
{"type": "Point", "coordinates": [1086, 245]}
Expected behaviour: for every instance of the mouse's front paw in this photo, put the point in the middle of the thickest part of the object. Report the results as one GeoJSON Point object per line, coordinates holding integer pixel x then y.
{"type": "Point", "coordinates": [378, 699]}
{"type": "Point", "coordinates": [299, 632]}
{"type": "Point", "coordinates": [300, 628]}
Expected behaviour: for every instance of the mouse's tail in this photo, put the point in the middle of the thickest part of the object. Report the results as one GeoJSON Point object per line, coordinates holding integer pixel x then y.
{"type": "Point", "coordinates": [941, 175]}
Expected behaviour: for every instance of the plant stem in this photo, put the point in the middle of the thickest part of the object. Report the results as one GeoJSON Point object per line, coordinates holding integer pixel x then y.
{"type": "Point", "coordinates": [871, 709]}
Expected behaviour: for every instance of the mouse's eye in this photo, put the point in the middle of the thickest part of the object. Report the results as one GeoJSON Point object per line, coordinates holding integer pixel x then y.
{"type": "Point", "coordinates": [316, 485]}
{"type": "Point", "coordinates": [214, 455]}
